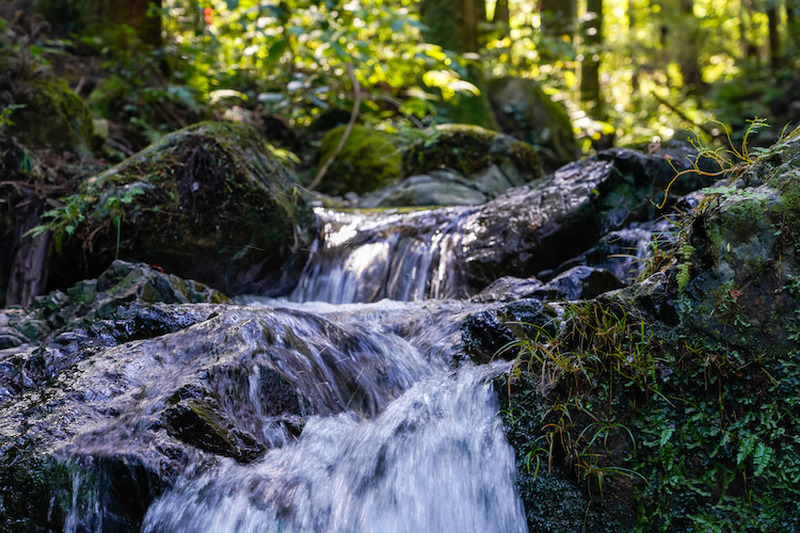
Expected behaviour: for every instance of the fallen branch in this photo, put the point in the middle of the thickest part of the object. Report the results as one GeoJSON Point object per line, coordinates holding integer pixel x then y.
{"type": "Point", "coordinates": [348, 130]}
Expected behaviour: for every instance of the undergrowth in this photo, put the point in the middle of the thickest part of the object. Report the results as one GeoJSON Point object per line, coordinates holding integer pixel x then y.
{"type": "Point", "coordinates": [659, 431]}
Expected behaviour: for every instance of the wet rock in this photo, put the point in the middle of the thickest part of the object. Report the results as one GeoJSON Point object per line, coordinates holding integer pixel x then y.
{"type": "Point", "coordinates": [496, 332]}
{"type": "Point", "coordinates": [526, 113]}
{"type": "Point", "coordinates": [579, 283]}
{"type": "Point", "coordinates": [538, 227]}
{"type": "Point", "coordinates": [210, 202]}
{"type": "Point", "coordinates": [120, 422]}
{"type": "Point", "coordinates": [509, 288]}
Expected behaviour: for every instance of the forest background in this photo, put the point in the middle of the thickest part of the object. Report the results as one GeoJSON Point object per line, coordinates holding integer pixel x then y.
{"type": "Point", "coordinates": [626, 70]}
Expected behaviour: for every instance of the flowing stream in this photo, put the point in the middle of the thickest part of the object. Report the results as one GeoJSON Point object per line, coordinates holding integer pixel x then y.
{"type": "Point", "coordinates": [429, 454]}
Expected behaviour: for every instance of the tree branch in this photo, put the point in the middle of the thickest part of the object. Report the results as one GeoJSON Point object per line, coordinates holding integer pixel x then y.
{"type": "Point", "coordinates": [348, 130]}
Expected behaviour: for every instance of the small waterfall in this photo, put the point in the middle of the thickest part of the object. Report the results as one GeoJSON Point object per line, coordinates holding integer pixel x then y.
{"type": "Point", "coordinates": [435, 460]}
{"type": "Point", "coordinates": [400, 256]}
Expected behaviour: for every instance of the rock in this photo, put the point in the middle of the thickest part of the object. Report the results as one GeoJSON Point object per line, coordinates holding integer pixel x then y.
{"type": "Point", "coordinates": [532, 230]}
{"type": "Point", "coordinates": [443, 187]}
{"type": "Point", "coordinates": [495, 333]}
{"type": "Point", "coordinates": [209, 202]}
{"type": "Point", "coordinates": [509, 288]}
{"type": "Point", "coordinates": [98, 439]}
{"type": "Point", "coordinates": [579, 283]}
{"type": "Point", "coordinates": [470, 150]}
{"type": "Point", "coordinates": [50, 115]}
{"type": "Point", "coordinates": [369, 159]}
{"type": "Point", "coordinates": [458, 165]}
{"type": "Point", "coordinates": [738, 276]}
{"type": "Point", "coordinates": [526, 113]}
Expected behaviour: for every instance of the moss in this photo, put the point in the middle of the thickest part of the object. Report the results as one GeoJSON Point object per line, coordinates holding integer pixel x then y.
{"type": "Point", "coordinates": [208, 202]}
{"type": "Point", "coordinates": [368, 160]}
{"type": "Point", "coordinates": [469, 149]}
{"type": "Point", "coordinates": [31, 484]}
{"type": "Point", "coordinates": [54, 117]}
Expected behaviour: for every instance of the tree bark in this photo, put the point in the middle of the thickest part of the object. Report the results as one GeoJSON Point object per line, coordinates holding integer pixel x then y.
{"type": "Point", "coordinates": [558, 19]}
{"type": "Point", "coordinates": [688, 50]}
{"type": "Point", "coordinates": [453, 24]}
{"type": "Point", "coordinates": [590, 65]}
{"type": "Point", "coordinates": [502, 15]}
{"type": "Point", "coordinates": [773, 20]}
{"type": "Point", "coordinates": [793, 20]}
{"type": "Point", "coordinates": [28, 273]}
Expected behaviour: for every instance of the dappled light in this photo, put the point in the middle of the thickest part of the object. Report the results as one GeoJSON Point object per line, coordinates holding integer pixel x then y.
{"type": "Point", "coordinates": [399, 266]}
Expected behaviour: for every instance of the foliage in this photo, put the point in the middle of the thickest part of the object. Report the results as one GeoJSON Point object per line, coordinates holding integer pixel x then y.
{"type": "Point", "coordinates": [702, 436]}
{"type": "Point", "coordinates": [64, 220]}
{"type": "Point", "coordinates": [291, 57]}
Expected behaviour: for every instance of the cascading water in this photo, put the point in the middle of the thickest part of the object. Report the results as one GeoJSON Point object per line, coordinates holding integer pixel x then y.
{"type": "Point", "coordinates": [435, 460]}
{"type": "Point", "coordinates": [378, 429]}
{"type": "Point", "coordinates": [368, 257]}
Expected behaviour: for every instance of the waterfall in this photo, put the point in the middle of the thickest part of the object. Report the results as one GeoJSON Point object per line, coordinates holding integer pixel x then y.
{"type": "Point", "coordinates": [435, 460]}
{"type": "Point", "coordinates": [365, 257]}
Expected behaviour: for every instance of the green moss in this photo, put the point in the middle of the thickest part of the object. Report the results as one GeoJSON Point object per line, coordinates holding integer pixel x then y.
{"type": "Point", "coordinates": [368, 160]}
{"type": "Point", "coordinates": [31, 484]}
{"type": "Point", "coordinates": [54, 116]}
{"type": "Point", "coordinates": [691, 434]}
{"type": "Point", "coordinates": [469, 149]}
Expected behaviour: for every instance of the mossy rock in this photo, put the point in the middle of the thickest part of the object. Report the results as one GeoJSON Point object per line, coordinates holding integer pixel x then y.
{"type": "Point", "coordinates": [525, 112]}
{"type": "Point", "coordinates": [470, 149]}
{"type": "Point", "coordinates": [368, 160]}
{"type": "Point", "coordinates": [53, 116]}
{"type": "Point", "coordinates": [209, 202]}
{"type": "Point", "coordinates": [742, 272]}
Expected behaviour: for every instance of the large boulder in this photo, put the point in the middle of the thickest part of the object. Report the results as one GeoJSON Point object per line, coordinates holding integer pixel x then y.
{"type": "Point", "coordinates": [45, 112]}
{"type": "Point", "coordinates": [739, 270]}
{"type": "Point", "coordinates": [525, 112]}
{"type": "Point", "coordinates": [458, 164]}
{"type": "Point", "coordinates": [209, 202]}
{"type": "Point", "coordinates": [117, 391]}
{"type": "Point", "coordinates": [468, 150]}
{"type": "Point", "coordinates": [368, 159]}
{"type": "Point", "coordinates": [530, 231]}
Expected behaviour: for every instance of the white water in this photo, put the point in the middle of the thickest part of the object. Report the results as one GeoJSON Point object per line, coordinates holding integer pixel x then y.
{"type": "Point", "coordinates": [435, 460]}
{"type": "Point", "coordinates": [367, 257]}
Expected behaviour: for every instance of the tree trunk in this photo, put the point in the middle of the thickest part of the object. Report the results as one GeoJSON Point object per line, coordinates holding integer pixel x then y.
{"type": "Point", "coordinates": [793, 20]}
{"type": "Point", "coordinates": [590, 65]}
{"type": "Point", "coordinates": [502, 15]}
{"type": "Point", "coordinates": [453, 24]}
{"type": "Point", "coordinates": [773, 20]}
{"type": "Point", "coordinates": [28, 274]}
{"type": "Point", "coordinates": [688, 50]}
{"type": "Point", "coordinates": [558, 17]}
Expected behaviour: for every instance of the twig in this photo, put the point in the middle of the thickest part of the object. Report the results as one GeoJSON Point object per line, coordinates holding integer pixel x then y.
{"type": "Point", "coordinates": [348, 130]}
{"type": "Point", "coordinates": [681, 114]}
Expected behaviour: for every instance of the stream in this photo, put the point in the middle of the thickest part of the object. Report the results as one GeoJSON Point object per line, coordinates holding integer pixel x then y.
{"type": "Point", "coordinates": [397, 435]}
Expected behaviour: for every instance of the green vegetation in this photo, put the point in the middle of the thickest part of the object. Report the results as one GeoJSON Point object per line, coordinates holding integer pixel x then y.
{"type": "Point", "coordinates": [695, 435]}
{"type": "Point", "coordinates": [368, 160]}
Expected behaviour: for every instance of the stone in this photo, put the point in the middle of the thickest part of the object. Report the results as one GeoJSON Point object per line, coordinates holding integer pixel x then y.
{"type": "Point", "coordinates": [525, 112]}
{"type": "Point", "coordinates": [210, 202]}
{"type": "Point", "coordinates": [532, 230]}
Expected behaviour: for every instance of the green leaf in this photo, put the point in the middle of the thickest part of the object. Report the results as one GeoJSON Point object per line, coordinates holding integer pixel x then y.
{"type": "Point", "coordinates": [761, 458]}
